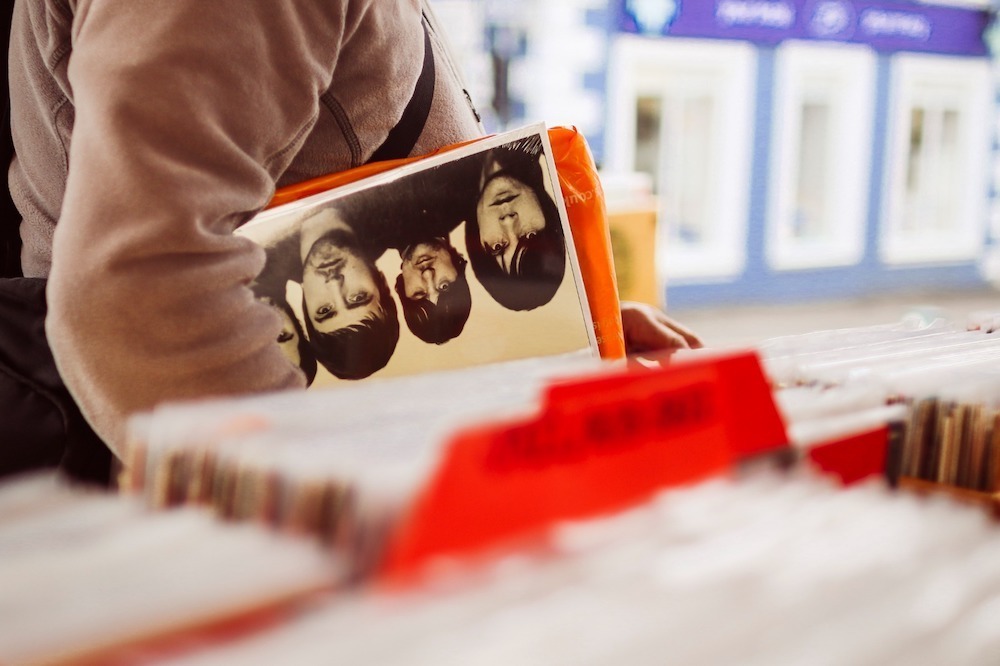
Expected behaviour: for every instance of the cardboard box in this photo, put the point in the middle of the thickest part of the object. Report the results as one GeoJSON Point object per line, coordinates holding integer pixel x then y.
{"type": "Point", "coordinates": [633, 244]}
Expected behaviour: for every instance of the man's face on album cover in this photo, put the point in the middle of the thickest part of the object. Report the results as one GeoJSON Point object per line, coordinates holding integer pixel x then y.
{"type": "Point", "coordinates": [428, 271]}
{"type": "Point", "coordinates": [338, 284]}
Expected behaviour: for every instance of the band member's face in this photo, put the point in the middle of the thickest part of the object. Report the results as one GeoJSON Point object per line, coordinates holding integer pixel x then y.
{"type": "Point", "coordinates": [288, 337]}
{"type": "Point", "coordinates": [338, 285]}
{"type": "Point", "coordinates": [508, 211]}
{"type": "Point", "coordinates": [428, 271]}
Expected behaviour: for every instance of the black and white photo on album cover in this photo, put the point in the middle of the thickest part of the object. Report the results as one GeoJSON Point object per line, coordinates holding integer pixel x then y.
{"type": "Point", "coordinates": [455, 260]}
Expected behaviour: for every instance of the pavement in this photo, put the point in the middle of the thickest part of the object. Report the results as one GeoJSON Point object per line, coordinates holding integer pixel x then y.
{"type": "Point", "coordinates": [743, 325]}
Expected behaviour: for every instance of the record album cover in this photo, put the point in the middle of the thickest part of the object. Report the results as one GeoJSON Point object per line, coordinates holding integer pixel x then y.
{"type": "Point", "coordinates": [459, 259]}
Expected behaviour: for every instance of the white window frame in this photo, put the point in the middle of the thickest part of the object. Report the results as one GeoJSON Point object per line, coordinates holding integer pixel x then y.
{"type": "Point", "coordinates": [843, 77]}
{"type": "Point", "coordinates": [965, 85]}
{"type": "Point", "coordinates": [727, 70]}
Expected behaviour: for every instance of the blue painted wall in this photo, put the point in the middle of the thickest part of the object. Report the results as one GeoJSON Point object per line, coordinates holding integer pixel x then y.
{"type": "Point", "coordinates": [761, 284]}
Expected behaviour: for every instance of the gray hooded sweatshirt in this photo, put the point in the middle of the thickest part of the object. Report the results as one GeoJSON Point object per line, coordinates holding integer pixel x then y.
{"type": "Point", "coordinates": [146, 131]}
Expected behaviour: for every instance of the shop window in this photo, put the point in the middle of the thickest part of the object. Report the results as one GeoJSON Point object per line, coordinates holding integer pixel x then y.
{"type": "Point", "coordinates": [671, 147]}
{"type": "Point", "coordinates": [812, 200]}
{"type": "Point", "coordinates": [938, 175]}
{"type": "Point", "coordinates": [682, 112]}
{"type": "Point", "coordinates": [822, 134]}
{"type": "Point", "coordinates": [648, 117]}
{"type": "Point", "coordinates": [931, 162]}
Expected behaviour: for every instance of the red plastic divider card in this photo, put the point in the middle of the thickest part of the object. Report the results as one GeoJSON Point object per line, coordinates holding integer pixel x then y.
{"type": "Point", "coordinates": [853, 458]}
{"type": "Point", "coordinates": [597, 445]}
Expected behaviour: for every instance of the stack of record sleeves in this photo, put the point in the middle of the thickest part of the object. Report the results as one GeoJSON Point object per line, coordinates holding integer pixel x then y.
{"type": "Point", "coordinates": [89, 575]}
{"type": "Point", "coordinates": [772, 569]}
{"type": "Point", "coordinates": [750, 564]}
{"type": "Point", "coordinates": [337, 464]}
{"type": "Point", "coordinates": [944, 375]}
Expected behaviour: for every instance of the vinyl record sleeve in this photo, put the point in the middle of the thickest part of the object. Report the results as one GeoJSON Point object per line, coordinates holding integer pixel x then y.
{"type": "Point", "coordinates": [462, 258]}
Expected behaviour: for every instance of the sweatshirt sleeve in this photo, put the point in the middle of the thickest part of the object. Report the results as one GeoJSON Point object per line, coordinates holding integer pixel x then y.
{"type": "Point", "coordinates": [185, 113]}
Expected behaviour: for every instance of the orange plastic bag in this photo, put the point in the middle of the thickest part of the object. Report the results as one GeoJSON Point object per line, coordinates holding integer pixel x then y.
{"type": "Point", "coordinates": [585, 207]}
{"type": "Point", "coordinates": [584, 199]}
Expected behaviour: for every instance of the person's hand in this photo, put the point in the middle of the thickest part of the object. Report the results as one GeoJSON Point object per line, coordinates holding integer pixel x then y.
{"type": "Point", "coordinates": [647, 329]}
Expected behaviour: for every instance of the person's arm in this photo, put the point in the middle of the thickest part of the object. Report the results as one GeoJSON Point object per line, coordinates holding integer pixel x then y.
{"type": "Point", "coordinates": [186, 112]}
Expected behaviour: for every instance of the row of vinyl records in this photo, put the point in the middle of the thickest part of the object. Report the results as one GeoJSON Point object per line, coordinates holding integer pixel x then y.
{"type": "Point", "coordinates": [844, 575]}
{"type": "Point", "coordinates": [770, 567]}
{"type": "Point", "coordinates": [303, 463]}
{"type": "Point", "coordinates": [945, 377]}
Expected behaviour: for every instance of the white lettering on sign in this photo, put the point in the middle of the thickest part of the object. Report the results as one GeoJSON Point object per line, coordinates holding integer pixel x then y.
{"type": "Point", "coordinates": [755, 13]}
{"type": "Point", "coordinates": [882, 23]}
{"type": "Point", "coordinates": [831, 18]}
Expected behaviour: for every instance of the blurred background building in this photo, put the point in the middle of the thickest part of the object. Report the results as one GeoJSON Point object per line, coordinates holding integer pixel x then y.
{"type": "Point", "coordinates": [763, 151]}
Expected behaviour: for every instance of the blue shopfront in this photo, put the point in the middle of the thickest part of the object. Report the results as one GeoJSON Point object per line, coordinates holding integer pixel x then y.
{"type": "Point", "coordinates": [804, 149]}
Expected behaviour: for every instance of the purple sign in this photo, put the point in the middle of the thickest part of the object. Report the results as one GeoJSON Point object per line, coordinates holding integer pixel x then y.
{"type": "Point", "coordinates": [885, 26]}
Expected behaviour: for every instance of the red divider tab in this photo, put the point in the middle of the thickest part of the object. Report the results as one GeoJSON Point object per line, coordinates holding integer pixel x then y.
{"type": "Point", "coordinates": [853, 458]}
{"type": "Point", "coordinates": [598, 444]}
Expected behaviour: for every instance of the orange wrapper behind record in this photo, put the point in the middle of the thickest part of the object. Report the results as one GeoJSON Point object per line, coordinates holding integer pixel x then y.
{"type": "Point", "coordinates": [584, 199]}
